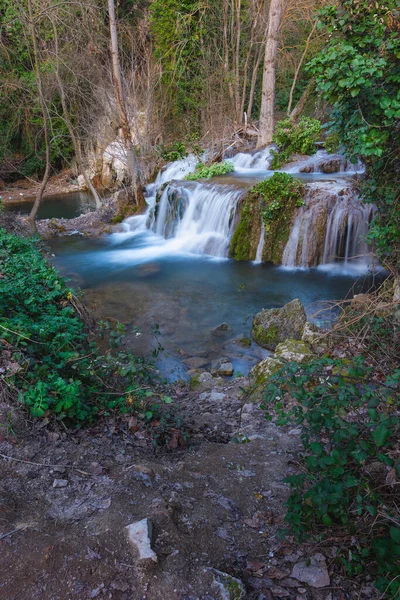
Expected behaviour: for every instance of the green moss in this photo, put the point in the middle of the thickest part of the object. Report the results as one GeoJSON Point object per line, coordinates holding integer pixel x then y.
{"type": "Point", "coordinates": [247, 234]}
{"type": "Point", "coordinates": [266, 337]}
{"type": "Point", "coordinates": [275, 200]}
{"type": "Point", "coordinates": [194, 382]}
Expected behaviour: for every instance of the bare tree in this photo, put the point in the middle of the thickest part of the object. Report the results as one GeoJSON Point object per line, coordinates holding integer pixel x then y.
{"type": "Point", "coordinates": [43, 107]}
{"type": "Point", "coordinates": [268, 87]}
{"type": "Point", "coordinates": [123, 114]}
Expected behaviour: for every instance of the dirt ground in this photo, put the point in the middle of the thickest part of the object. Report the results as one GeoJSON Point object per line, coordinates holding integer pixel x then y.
{"type": "Point", "coordinates": [213, 504]}
{"type": "Point", "coordinates": [25, 189]}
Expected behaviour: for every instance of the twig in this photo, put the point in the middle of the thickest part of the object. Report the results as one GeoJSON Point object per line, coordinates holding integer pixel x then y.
{"type": "Point", "coordinates": [4, 535]}
{"type": "Point", "coordinates": [28, 462]}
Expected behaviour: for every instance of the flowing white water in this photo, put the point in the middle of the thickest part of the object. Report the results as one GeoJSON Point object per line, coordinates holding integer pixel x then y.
{"type": "Point", "coordinates": [198, 216]}
{"type": "Point", "coordinates": [258, 161]}
{"type": "Point", "coordinates": [330, 228]}
{"type": "Point", "coordinates": [323, 162]}
{"type": "Point", "coordinates": [260, 244]}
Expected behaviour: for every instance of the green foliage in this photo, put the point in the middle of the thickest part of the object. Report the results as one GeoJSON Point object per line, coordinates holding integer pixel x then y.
{"type": "Point", "coordinates": [58, 370]}
{"type": "Point", "coordinates": [358, 72]}
{"type": "Point", "coordinates": [350, 428]}
{"type": "Point", "coordinates": [294, 138]}
{"type": "Point", "coordinates": [275, 200]}
{"type": "Point", "coordinates": [206, 172]}
{"type": "Point", "coordinates": [174, 152]}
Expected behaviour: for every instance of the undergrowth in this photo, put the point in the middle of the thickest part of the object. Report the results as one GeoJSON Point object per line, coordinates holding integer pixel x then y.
{"type": "Point", "coordinates": [206, 172]}
{"type": "Point", "coordinates": [349, 413]}
{"type": "Point", "coordinates": [49, 356]}
{"type": "Point", "coordinates": [294, 138]}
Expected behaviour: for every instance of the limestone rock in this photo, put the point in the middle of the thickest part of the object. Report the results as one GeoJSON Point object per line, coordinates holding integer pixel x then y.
{"type": "Point", "coordinates": [294, 351]}
{"type": "Point", "coordinates": [221, 329]}
{"type": "Point", "coordinates": [272, 326]}
{"type": "Point", "coordinates": [60, 483]}
{"type": "Point", "coordinates": [313, 572]}
{"type": "Point", "coordinates": [225, 369]}
{"type": "Point", "coordinates": [139, 536]}
{"type": "Point", "coordinates": [265, 369]}
{"type": "Point", "coordinates": [229, 587]}
{"type": "Point", "coordinates": [315, 338]}
{"type": "Point", "coordinates": [196, 362]}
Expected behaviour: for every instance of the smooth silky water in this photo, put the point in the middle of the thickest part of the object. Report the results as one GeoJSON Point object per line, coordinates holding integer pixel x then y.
{"type": "Point", "coordinates": [141, 282]}
{"type": "Point", "coordinates": [67, 206]}
{"type": "Point", "coordinates": [167, 270]}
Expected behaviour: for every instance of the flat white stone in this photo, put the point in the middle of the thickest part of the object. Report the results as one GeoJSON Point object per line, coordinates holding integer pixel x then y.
{"type": "Point", "coordinates": [139, 536]}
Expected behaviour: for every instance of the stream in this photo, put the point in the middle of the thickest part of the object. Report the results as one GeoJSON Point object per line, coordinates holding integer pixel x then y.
{"type": "Point", "coordinates": [166, 277]}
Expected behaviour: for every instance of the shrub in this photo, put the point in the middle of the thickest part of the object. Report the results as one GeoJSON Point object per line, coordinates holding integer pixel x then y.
{"type": "Point", "coordinates": [294, 139]}
{"type": "Point", "coordinates": [173, 152]}
{"type": "Point", "coordinates": [350, 429]}
{"type": "Point", "coordinates": [56, 367]}
{"type": "Point", "coordinates": [206, 172]}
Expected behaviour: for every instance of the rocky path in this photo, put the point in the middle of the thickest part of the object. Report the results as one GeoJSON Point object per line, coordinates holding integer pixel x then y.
{"type": "Point", "coordinates": [214, 507]}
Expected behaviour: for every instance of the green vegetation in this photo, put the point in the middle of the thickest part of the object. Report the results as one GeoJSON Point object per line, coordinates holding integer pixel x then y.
{"type": "Point", "coordinates": [56, 369]}
{"type": "Point", "coordinates": [275, 201]}
{"type": "Point", "coordinates": [348, 410]}
{"type": "Point", "coordinates": [173, 152]}
{"type": "Point", "coordinates": [206, 172]}
{"type": "Point", "coordinates": [358, 73]}
{"type": "Point", "coordinates": [292, 138]}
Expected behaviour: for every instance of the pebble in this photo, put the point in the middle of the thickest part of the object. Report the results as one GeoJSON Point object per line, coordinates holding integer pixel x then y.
{"type": "Point", "coordinates": [60, 483]}
{"type": "Point", "coordinates": [139, 536]}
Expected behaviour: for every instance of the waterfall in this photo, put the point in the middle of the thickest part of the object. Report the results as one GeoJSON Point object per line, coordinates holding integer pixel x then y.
{"type": "Point", "coordinates": [323, 162]}
{"type": "Point", "coordinates": [258, 161]}
{"type": "Point", "coordinates": [330, 228]}
{"type": "Point", "coordinates": [176, 170]}
{"type": "Point", "coordinates": [260, 246]}
{"type": "Point", "coordinates": [198, 216]}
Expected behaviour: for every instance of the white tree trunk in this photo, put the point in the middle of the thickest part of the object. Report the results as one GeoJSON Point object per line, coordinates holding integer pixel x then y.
{"type": "Point", "coordinates": [268, 88]}
{"type": "Point", "coordinates": [123, 115]}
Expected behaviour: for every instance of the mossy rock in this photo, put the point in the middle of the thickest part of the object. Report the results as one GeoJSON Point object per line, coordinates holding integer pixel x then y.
{"type": "Point", "coordinates": [264, 370]}
{"type": "Point", "coordinates": [273, 326]}
{"type": "Point", "coordinates": [246, 237]}
{"type": "Point", "coordinates": [294, 351]}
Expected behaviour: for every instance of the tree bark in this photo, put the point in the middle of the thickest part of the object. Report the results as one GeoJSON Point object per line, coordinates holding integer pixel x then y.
{"type": "Point", "coordinates": [67, 118]}
{"type": "Point", "coordinates": [296, 74]}
{"type": "Point", "coordinates": [268, 88]}
{"type": "Point", "coordinates": [123, 115]}
{"type": "Point", "coordinates": [298, 109]}
{"type": "Point", "coordinates": [39, 195]}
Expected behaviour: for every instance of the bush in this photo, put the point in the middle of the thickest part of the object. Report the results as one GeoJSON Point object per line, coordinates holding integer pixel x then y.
{"type": "Point", "coordinates": [173, 152]}
{"type": "Point", "coordinates": [206, 172]}
{"type": "Point", "coordinates": [51, 361]}
{"type": "Point", "coordinates": [294, 139]}
{"type": "Point", "coordinates": [350, 429]}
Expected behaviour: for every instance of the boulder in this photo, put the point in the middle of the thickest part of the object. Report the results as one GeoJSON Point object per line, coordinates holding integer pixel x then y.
{"type": "Point", "coordinates": [294, 351]}
{"type": "Point", "coordinates": [314, 337]}
{"type": "Point", "coordinates": [225, 369]}
{"type": "Point", "coordinates": [273, 326]}
{"type": "Point", "coordinates": [265, 369]}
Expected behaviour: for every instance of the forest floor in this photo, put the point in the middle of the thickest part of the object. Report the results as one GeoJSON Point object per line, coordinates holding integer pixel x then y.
{"type": "Point", "coordinates": [67, 497]}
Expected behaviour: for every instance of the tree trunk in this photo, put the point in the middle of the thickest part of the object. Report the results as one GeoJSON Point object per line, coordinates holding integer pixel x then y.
{"type": "Point", "coordinates": [123, 115]}
{"type": "Point", "coordinates": [67, 118]}
{"type": "Point", "coordinates": [39, 195]}
{"type": "Point", "coordinates": [298, 109]}
{"type": "Point", "coordinates": [268, 88]}
{"type": "Point", "coordinates": [296, 74]}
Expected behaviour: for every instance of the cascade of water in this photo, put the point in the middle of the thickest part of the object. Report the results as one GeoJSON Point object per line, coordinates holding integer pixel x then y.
{"type": "Point", "coordinates": [329, 228]}
{"type": "Point", "coordinates": [259, 161]}
{"type": "Point", "coordinates": [323, 162]}
{"type": "Point", "coordinates": [199, 217]}
{"type": "Point", "coordinates": [260, 246]}
{"type": "Point", "coordinates": [176, 170]}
